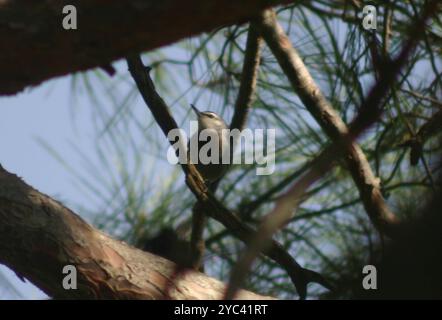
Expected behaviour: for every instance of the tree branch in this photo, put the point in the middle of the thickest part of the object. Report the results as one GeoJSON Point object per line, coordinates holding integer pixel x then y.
{"type": "Point", "coordinates": [39, 236]}
{"type": "Point", "coordinates": [370, 110]}
{"type": "Point", "coordinates": [300, 276]}
{"type": "Point", "coordinates": [32, 32]}
{"type": "Point", "coordinates": [249, 78]}
{"type": "Point", "coordinates": [310, 94]}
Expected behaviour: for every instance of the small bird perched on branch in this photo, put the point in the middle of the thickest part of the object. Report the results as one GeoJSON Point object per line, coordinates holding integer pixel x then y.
{"type": "Point", "coordinates": [214, 127]}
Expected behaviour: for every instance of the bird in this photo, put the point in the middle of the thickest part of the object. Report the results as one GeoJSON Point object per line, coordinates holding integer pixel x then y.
{"type": "Point", "coordinates": [208, 120]}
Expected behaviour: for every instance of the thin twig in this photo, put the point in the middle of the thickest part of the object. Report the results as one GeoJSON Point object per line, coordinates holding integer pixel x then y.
{"type": "Point", "coordinates": [387, 28]}
{"type": "Point", "coordinates": [417, 95]}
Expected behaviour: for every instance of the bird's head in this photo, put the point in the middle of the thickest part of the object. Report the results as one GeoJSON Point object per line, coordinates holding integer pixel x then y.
{"type": "Point", "coordinates": [209, 119]}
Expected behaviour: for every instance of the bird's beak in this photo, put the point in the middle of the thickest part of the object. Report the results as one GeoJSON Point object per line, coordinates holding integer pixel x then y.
{"type": "Point", "coordinates": [195, 109]}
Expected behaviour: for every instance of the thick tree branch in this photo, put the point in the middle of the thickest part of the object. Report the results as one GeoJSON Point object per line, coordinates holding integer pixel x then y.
{"type": "Point", "coordinates": [35, 47]}
{"type": "Point", "coordinates": [39, 236]}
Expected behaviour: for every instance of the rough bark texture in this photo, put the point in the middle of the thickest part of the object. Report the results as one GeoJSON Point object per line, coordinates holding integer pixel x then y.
{"type": "Point", "coordinates": [39, 236]}
{"type": "Point", "coordinates": [35, 47]}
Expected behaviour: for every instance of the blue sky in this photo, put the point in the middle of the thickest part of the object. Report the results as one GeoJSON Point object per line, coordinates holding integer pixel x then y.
{"type": "Point", "coordinates": [43, 113]}
{"type": "Point", "coordinates": [52, 114]}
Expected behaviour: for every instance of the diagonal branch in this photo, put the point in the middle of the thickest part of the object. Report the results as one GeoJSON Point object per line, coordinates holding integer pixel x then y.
{"type": "Point", "coordinates": [249, 76]}
{"type": "Point", "coordinates": [300, 276]}
{"type": "Point", "coordinates": [162, 116]}
{"type": "Point", "coordinates": [310, 94]}
{"type": "Point", "coordinates": [369, 112]}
